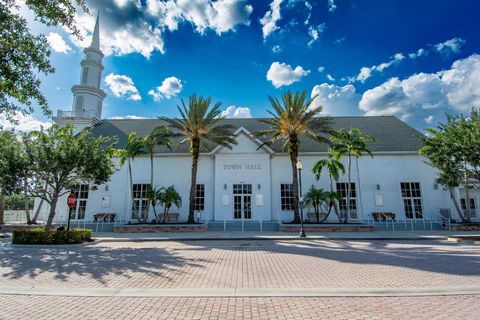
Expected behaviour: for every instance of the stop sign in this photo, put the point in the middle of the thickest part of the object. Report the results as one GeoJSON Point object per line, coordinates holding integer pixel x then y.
{"type": "Point", "coordinates": [72, 200]}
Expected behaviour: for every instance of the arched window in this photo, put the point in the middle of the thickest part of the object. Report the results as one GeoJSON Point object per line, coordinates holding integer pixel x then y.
{"type": "Point", "coordinates": [79, 105]}
{"type": "Point", "coordinates": [85, 75]}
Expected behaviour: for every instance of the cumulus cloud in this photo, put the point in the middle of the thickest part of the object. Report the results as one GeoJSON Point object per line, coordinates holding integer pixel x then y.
{"type": "Point", "coordinates": [122, 86]}
{"type": "Point", "coordinates": [420, 53]}
{"type": "Point", "coordinates": [366, 72]}
{"type": "Point", "coordinates": [457, 88]}
{"type": "Point", "coordinates": [138, 26]}
{"type": "Point", "coordinates": [57, 43]}
{"type": "Point", "coordinates": [330, 77]}
{"type": "Point", "coordinates": [282, 74]}
{"type": "Point", "coordinates": [269, 20]}
{"type": "Point", "coordinates": [170, 87]}
{"type": "Point", "coordinates": [26, 123]}
{"type": "Point", "coordinates": [130, 117]}
{"type": "Point", "coordinates": [234, 112]}
{"type": "Point", "coordinates": [429, 119]}
{"type": "Point", "coordinates": [314, 32]}
{"type": "Point", "coordinates": [276, 49]}
{"type": "Point", "coordinates": [331, 5]}
{"type": "Point", "coordinates": [321, 69]}
{"type": "Point", "coordinates": [450, 46]}
{"type": "Point", "coordinates": [336, 100]}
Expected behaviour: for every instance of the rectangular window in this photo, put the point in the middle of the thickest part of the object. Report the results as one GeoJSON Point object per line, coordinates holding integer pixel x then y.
{"type": "Point", "coordinates": [140, 201]}
{"type": "Point", "coordinates": [473, 206]}
{"type": "Point", "coordinates": [286, 196]}
{"type": "Point", "coordinates": [81, 192]}
{"type": "Point", "coordinates": [412, 200]}
{"type": "Point", "coordinates": [200, 197]}
{"type": "Point", "coordinates": [342, 189]}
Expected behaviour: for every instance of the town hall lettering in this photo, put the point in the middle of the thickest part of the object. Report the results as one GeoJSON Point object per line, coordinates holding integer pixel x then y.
{"type": "Point", "coordinates": [248, 166]}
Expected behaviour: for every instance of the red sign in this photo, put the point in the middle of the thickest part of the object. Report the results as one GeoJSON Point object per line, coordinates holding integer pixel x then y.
{"type": "Point", "coordinates": [72, 200]}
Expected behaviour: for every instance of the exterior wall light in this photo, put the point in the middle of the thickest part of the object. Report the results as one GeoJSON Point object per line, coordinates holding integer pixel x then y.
{"type": "Point", "coordinates": [225, 186]}
{"type": "Point", "coordinates": [378, 186]}
{"type": "Point", "coordinates": [259, 186]}
{"type": "Point", "coordinates": [106, 187]}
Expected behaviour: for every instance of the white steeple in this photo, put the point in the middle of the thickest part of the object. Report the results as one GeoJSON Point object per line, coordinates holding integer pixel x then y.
{"type": "Point", "coordinates": [88, 96]}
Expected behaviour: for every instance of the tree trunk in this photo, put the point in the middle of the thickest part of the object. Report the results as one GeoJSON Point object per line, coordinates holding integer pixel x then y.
{"type": "Point", "coordinates": [467, 203]}
{"type": "Point", "coordinates": [151, 185]}
{"type": "Point", "coordinates": [132, 210]}
{"type": "Point", "coordinates": [347, 215]}
{"type": "Point", "coordinates": [25, 194]}
{"type": "Point", "coordinates": [455, 203]}
{"type": "Point", "coordinates": [296, 198]}
{"type": "Point", "coordinates": [193, 186]}
{"type": "Point", "coordinates": [2, 208]}
{"type": "Point", "coordinates": [37, 213]}
{"type": "Point", "coordinates": [51, 215]}
{"type": "Point", "coordinates": [335, 208]}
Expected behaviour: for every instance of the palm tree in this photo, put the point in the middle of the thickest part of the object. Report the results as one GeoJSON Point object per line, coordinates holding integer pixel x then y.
{"type": "Point", "coordinates": [334, 168]}
{"type": "Point", "coordinates": [133, 148]}
{"type": "Point", "coordinates": [167, 197]}
{"type": "Point", "coordinates": [200, 126]}
{"type": "Point", "coordinates": [292, 119]}
{"type": "Point", "coordinates": [351, 143]}
{"type": "Point", "coordinates": [160, 136]}
{"type": "Point", "coordinates": [153, 195]}
{"type": "Point", "coordinates": [317, 199]}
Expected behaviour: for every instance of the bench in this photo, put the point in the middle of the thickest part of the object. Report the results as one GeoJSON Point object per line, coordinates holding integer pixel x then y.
{"type": "Point", "coordinates": [383, 216]}
{"type": "Point", "coordinates": [172, 217]}
{"type": "Point", "coordinates": [104, 216]}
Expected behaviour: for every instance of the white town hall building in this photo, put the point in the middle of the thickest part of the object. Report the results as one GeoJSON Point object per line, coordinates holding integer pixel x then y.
{"type": "Point", "coordinates": [247, 182]}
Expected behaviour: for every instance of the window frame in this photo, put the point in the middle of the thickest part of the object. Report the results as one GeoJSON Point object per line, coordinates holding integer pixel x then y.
{"type": "Point", "coordinates": [342, 204]}
{"type": "Point", "coordinates": [140, 200]}
{"type": "Point", "coordinates": [199, 203]}
{"type": "Point", "coordinates": [287, 198]}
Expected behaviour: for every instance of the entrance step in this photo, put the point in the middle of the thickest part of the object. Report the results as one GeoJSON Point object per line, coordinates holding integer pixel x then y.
{"type": "Point", "coordinates": [247, 226]}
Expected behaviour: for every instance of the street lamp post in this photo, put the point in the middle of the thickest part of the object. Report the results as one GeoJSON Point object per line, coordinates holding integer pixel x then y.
{"type": "Point", "coordinates": [299, 168]}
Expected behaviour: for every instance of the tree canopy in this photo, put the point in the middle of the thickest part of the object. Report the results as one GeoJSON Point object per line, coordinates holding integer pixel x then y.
{"type": "Point", "coordinates": [25, 55]}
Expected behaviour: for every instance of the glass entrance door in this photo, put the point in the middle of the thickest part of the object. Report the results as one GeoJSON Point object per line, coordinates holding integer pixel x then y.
{"type": "Point", "coordinates": [242, 201]}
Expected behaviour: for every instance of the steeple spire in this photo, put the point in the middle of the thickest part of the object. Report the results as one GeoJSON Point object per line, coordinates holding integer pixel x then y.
{"type": "Point", "coordinates": [96, 34]}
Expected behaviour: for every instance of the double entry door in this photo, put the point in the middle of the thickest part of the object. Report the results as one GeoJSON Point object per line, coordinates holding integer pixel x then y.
{"type": "Point", "coordinates": [242, 201]}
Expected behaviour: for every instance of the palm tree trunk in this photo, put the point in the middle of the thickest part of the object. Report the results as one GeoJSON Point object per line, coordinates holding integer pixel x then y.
{"type": "Point", "coordinates": [296, 198]}
{"type": "Point", "coordinates": [2, 208]}
{"type": "Point", "coordinates": [151, 186]}
{"type": "Point", "coordinates": [25, 195]}
{"type": "Point", "coordinates": [467, 203]}
{"type": "Point", "coordinates": [347, 215]}
{"type": "Point", "coordinates": [193, 186]}
{"type": "Point", "coordinates": [132, 210]}
{"type": "Point", "coordinates": [335, 207]}
{"type": "Point", "coordinates": [456, 205]}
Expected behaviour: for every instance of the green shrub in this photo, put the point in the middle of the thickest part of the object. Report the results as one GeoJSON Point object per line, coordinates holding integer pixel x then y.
{"type": "Point", "coordinates": [42, 236]}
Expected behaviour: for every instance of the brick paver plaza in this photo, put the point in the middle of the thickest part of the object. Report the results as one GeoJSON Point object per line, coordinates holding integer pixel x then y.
{"type": "Point", "coordinates": [202, 269]}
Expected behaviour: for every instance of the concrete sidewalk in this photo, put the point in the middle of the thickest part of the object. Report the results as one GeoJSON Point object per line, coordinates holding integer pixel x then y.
{"type": "Point", "coordinates": [237, 235]}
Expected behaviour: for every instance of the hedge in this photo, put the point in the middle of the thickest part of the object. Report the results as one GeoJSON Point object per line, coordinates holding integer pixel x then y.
{"type": "Point", "coordinates": [42, 236]}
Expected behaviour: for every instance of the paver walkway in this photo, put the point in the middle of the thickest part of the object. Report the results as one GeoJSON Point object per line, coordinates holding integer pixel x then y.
{"type": "Point", "coordinates": [258, 266]}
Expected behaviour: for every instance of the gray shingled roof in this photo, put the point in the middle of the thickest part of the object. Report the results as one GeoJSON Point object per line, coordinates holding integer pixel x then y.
{"type": "Point", "coordinates": [392, 134]}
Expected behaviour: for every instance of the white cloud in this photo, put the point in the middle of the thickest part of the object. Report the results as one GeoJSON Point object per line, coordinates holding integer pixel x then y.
{"type": "Point", "coordinates": [170, 87]}
{"type": "Point", "coordinates": [450, 46]}
{"type": "Point", "coordinates": [429, 119]}
{"type": "Point", "coordinates": [336, 100]}
{"type": "Point", "coordinates": [331, 5]}
{"type": "Point", "coordinates": [330, 77]}
{"type": "Point", "coordinates": [366, 72]}
{"type": "Point", "coordinates": [234, 112]}
{"type": "Point", "coordinates": [314, 32]}
{"type": "Point", "coordinates": [321, 69]}
{"type": "Point", "coordinates": [122, 86]}
{"type": "Point", "coordinates": [57, 43]}
{"type": "Point", "coordinates": [309, 9]}
{"type": "Point", "coordinates": [130, 117]}
{"type": "Point", "coordinates": [137, 27]}
{"type": "Point", "coordinates": [282, 74]}
{"type": "Point", "coordinates": [457, 88]}
{"type": "Point", "coordinates": [269, 20]}
{"type": "Point", "coordinates": [26, 123]}
{"type": "Point", "coordinates": [276, 49]}
{"type": "Point", "coordinates": [420, 53]}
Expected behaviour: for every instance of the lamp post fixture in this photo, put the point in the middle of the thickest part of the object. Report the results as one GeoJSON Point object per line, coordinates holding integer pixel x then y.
{"type": "Point", "coordinates": [299, 168]}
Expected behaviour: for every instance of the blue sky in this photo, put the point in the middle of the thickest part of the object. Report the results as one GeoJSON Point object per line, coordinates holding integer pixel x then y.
{"type": "Point", "coordinates": [413, 59]}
